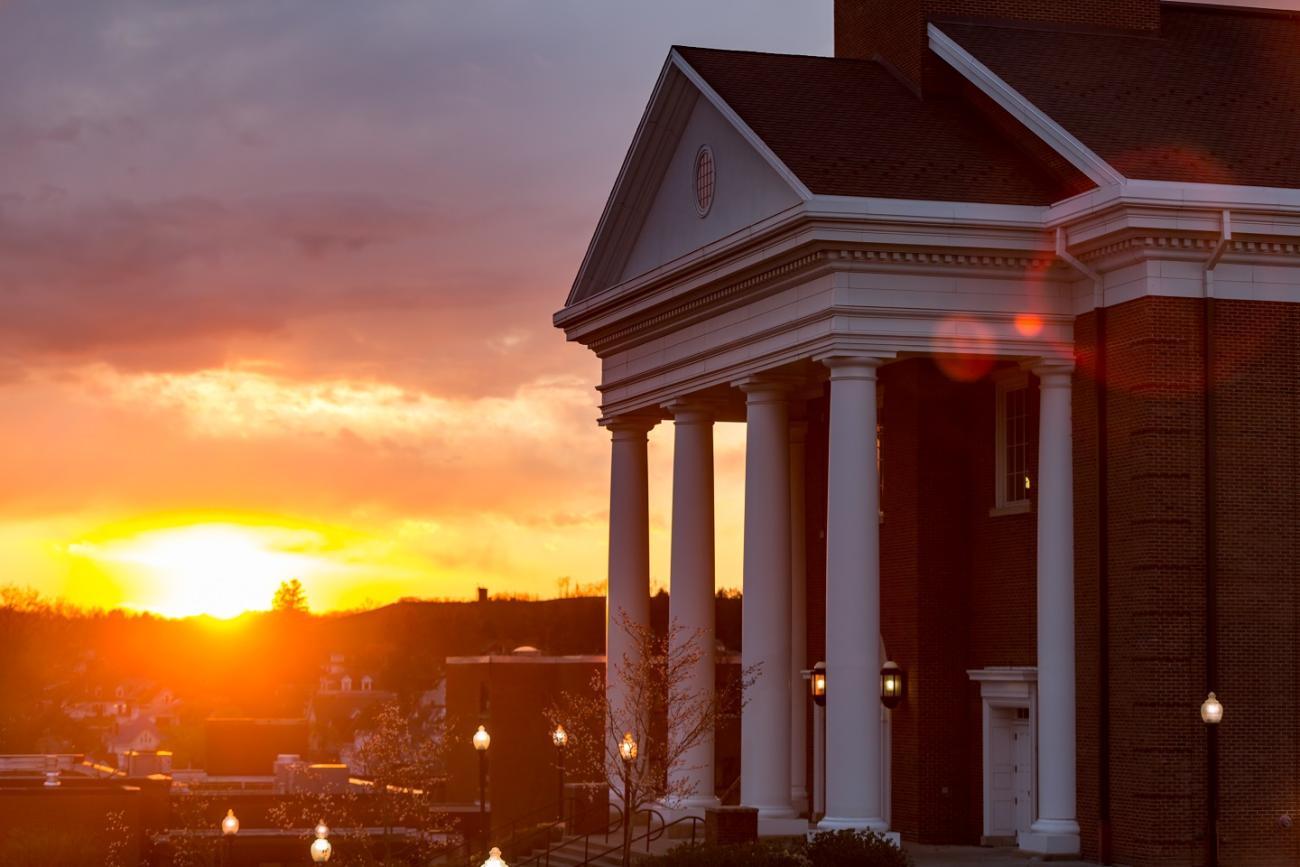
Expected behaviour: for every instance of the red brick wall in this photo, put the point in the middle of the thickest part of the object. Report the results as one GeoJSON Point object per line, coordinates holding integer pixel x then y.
{"type": "Point", "coordinates": [1257, 415]}
{"type": "Point", "coordinates": [1157, 580]}
{"type": "Point", "coordinates": [894, 30]}
{"type": "Point", "coordinates": [947, 569]}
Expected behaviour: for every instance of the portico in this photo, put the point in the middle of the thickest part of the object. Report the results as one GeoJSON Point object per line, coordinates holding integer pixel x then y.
{"type": "Point", "coordinates": [772, 745]}
{"type": "Point", "coordinates": [804, 313]}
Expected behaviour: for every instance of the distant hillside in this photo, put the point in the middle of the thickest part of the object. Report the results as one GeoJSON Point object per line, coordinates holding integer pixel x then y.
{"type": "Point", "coordinates": [268, 664]}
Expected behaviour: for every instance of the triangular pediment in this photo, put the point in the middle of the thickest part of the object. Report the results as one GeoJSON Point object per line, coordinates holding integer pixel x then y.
{"type": "Point", "coordinates": [653, 215]}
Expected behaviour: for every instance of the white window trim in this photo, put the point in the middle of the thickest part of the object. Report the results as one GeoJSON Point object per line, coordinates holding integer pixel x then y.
{"type": "Point", "coordinates": [1008, 381]}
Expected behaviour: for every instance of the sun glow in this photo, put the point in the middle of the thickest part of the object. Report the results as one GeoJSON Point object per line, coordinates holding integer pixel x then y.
{"type": "Point", "coordinates": [218, 569]}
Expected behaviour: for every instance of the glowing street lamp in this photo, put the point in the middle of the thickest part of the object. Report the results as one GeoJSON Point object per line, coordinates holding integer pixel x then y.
{"type": "Point", "coordinates": [494, 859]}
{"type": "Point", "coordinates": [627, 752]}
{"type": "Point", "coordinates": [560, 738]}
{"type": "Point", "coordinates": [1211, 710]}
{"type": "Point", "coordinates": [229, 828]}
{"type": "Point", "coordinates": [321, 850]}
{"type": "Point", "coordinates": [892, 679]}
{"type": "Point", "coordinates": [818, 684]}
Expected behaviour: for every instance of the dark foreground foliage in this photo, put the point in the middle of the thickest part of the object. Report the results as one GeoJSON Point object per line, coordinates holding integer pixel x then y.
{"type": "Point", "coordinates": [831, 849]}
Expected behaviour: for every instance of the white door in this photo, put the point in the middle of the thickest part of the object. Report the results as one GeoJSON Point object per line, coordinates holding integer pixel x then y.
{"type": "Point", "coordinates": [1009, 786]}
{"type": "Point", "coordinates": [1022, 776]}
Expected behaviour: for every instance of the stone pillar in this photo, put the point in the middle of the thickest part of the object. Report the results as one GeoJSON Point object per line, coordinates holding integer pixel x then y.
{"type": "Point", "coordinates": [765, 720]}
{"type": "Point", "coordinates": [691, 593]}
{"type": "Point", "coordinates": [628, 593]}
{"type": "Point", "coordinates": [1056, 830]}
{"type": "Point", "coordinates": [853, 766]}
{"type": "Point", "coordinates": [798, 622]}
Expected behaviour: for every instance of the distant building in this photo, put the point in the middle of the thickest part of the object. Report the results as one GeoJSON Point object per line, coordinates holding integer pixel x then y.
{"type": "Point", "coordinates": [250, 747]}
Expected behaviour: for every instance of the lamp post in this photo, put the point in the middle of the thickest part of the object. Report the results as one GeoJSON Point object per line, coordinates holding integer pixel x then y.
{"type": "Point", "coordinates": [560, 738]}
{"type": "Point", "coordinates": [321, 850]}
{"type": "Point", "coordinates": [482, 740]}
{"type": "Point", "coordinates": [627, 752]}
{"type": "Point", "coordinates": [817, 688]}
{"type": "Point", "coordinates": [229, 828]}
{"type": "Point", "coordinates": [1212, 715]}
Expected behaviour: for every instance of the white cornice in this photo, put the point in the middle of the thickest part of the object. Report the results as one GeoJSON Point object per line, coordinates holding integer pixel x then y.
{"type": "Point", "coordinates": [996, 88]}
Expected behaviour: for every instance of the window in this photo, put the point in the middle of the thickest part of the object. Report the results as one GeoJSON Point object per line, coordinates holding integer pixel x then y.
{"type": "Point", "coordinates": [705, 180]}
{"type": "Point", "coordinates": [1011, 481]}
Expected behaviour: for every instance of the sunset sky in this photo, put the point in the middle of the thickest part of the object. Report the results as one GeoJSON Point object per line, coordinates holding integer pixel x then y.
{"type": "Point", "coordinates": [276, 281]}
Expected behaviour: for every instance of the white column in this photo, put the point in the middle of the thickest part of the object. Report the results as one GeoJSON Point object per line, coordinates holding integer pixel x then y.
{"type": "Point", "coordinates": [765, 720]}
{"type": "Point", "coordinates": [691, 593]}
{"type": "Point", "coordinates": [853, 767]}
{"type": "Point", "coordinates": [798, 622]}
{"type": "Point", "coordinates": [1055, 831]}
{"type": "Point", "coordinates": [628, 592]}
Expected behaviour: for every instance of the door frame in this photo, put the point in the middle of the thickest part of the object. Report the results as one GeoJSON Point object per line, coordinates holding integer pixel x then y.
{"type": "Point", "coordinates": [1012, 687]}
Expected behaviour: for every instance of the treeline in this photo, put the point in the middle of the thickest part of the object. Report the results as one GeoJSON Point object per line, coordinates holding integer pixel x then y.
{"type": "Point", "coordinates": [265, 663]}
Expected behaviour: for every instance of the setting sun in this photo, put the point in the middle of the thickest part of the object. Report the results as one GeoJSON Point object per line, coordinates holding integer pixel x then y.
{"type": "Point", "coordinates": [218, 569]}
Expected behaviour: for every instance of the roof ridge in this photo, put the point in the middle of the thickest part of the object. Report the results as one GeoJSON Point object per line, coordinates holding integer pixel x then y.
{"type": "Point", "coordinates": [676, 47]}
{"type": "Point", "coordinates": [1227, 9]}
{"type": "Point", "coordinates": [1042, 26]}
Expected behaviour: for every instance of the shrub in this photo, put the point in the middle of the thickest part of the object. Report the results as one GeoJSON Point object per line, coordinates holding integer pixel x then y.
{"type": "Point", "coordinates": [761, 854]}
{"type": "Point", "coordinates": [854, 849]}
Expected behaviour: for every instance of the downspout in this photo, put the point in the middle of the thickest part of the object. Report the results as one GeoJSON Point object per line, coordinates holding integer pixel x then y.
{"type": "Point", "coordinates": [1211, 546]}
{"type": "Point", "coordinates": [1103, 547]}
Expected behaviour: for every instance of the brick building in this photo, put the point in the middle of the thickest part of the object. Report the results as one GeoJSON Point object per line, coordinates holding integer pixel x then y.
{"type": "Point", "coordinates": [1006, 295]}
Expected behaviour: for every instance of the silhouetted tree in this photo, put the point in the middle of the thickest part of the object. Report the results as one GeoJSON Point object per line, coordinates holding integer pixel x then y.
{"type": "Point", "coordinates": [290, 597]}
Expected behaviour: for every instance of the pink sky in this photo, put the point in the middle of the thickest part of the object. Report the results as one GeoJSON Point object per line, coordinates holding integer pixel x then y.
{"type": "Point", "coordinates": [293, 264]}
{"type": "Point", "coordinates": [289, 267]}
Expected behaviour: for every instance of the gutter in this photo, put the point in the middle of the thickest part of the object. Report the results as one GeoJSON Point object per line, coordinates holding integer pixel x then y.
{"type": "Point", "coordinates": [1211, 545]}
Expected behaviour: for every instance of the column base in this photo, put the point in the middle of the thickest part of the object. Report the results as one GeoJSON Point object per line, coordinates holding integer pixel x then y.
{"type": "Point", "coordinates": [772, 826]}
{"type": "Point", "coordinates": [1051, 838]}
{"type": "Point", "coordinates": [799, 800]}
{"type": "Point", "coordinates": [843, 823]}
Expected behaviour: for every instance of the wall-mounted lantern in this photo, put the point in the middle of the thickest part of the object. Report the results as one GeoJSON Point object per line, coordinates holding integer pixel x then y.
{"type": "Point", "coordinates": [817, 683]}
{"type": "Point", "coordinates": [893, 682]}
{"type": "Point", "coordinates": [1211, 710]}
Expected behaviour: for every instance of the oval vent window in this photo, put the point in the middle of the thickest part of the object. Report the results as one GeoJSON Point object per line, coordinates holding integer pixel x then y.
{"type": "Point", "coordinates": [705, 180]}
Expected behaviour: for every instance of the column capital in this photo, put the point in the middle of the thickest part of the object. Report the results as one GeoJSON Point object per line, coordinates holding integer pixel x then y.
{"type": "Point", "coordinates": [851, 365]}
{"type": "Point", "coordinates": [692, 410]}
{"type": "Point", "coordinates": [1052, 372]}
{"type": "Point", "coordinates": [765, 387]}
{"type": "Point", "coordinates": [629, 426]}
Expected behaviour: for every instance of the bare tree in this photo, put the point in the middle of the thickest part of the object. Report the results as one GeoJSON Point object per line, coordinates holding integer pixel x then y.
{"type": "Point", "coordinates": [400, 759]}
{"type": "Point", "coordinates": [637, 728]}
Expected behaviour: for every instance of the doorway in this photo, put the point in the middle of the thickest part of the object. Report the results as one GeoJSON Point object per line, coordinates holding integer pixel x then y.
{"type": "Point", "coordinates": [1009, 698]}
{"type": "Point", "coordinates": [1009, 787]}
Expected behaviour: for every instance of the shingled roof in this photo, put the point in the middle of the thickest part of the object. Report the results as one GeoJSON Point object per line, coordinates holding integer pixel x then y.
{"type": "Point", "coordinates": [850, 128]}
{"type": "Point", "coordinates": [1215, 98]}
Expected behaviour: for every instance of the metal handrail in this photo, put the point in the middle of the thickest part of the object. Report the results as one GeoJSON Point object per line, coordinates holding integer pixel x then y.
{"type": "Point", "coordinates": [510, 840]}
{"type": "Point", "coordinates": [544, 857]}
{"type": "Point", "coordinates": [650, 836]}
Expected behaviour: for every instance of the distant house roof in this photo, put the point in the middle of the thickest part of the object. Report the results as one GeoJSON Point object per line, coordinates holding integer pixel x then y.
{"type": "Point", "coordinates": [1214, 98]}
{"type": "Point", "coordinates": [850, 128]}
